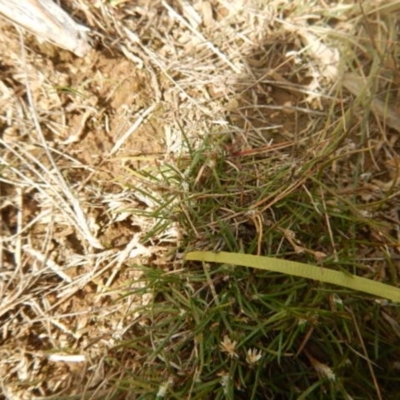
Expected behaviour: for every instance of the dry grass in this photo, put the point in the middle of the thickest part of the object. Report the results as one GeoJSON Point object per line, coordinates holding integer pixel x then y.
{"type": "Point", "coordinates": [262, 127]}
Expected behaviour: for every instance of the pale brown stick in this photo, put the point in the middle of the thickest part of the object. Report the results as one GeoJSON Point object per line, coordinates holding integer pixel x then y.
{"type": "Point", "coordinates": [48, 21]}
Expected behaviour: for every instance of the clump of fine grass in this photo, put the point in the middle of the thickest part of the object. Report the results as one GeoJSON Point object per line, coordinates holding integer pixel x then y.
{"type": "Point", "coordinates": [229, 332]}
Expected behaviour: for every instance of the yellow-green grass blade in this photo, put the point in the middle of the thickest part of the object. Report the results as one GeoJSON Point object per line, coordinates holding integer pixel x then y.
{"type": "Point", "coordinates": [299, 269]}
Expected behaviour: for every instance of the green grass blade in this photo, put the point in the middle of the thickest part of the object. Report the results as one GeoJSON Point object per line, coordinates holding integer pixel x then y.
{"type": "Point", "coordinates": [300, 269]}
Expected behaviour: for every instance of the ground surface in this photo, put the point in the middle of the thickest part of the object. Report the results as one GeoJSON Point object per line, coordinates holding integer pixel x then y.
{"type": "Point", "coordinates": [79, 137]}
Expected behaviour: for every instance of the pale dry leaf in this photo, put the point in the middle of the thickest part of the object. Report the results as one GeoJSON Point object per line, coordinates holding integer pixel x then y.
{"type": "Point", "coordinates": [327, 58]}
{"type": "Point", "coordinates": [385, 112]}
{"type": "Point", "coordinates": [48, 21]}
